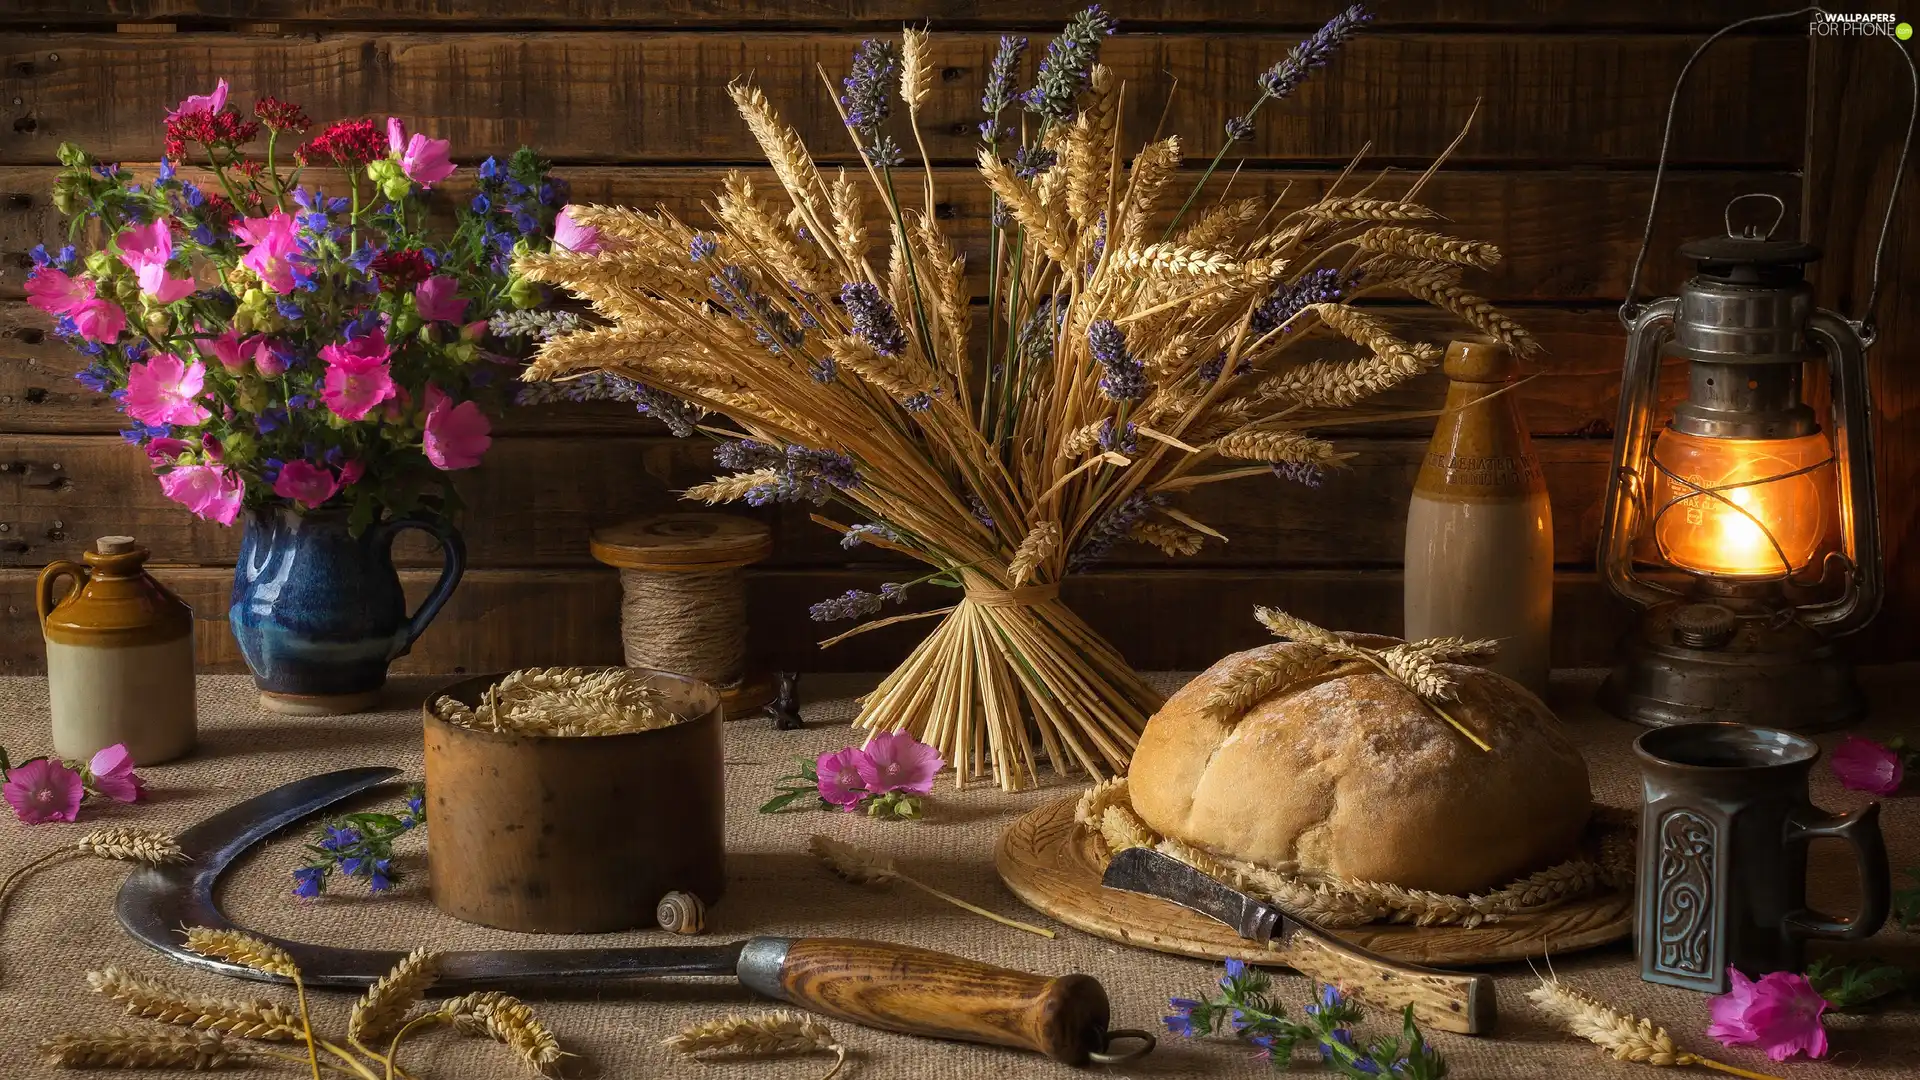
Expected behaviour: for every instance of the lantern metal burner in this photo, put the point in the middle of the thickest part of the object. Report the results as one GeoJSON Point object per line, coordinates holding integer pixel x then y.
{"type": "Point", "coordinates": [1737, 489]}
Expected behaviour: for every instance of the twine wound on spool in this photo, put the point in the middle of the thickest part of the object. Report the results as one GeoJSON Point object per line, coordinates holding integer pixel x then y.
{"type": "Point", "coordinates": [683, 607]}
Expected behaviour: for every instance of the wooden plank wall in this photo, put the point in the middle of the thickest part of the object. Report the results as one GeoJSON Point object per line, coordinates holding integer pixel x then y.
{"type": "Point", "coordinates": [628, 97]}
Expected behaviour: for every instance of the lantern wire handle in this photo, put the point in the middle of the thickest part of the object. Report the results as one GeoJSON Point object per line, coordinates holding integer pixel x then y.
{"type": "Point", "coordinates": [1630, 306]}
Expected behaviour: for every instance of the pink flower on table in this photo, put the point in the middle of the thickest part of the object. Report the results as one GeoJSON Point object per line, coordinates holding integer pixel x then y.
{"type": "Point", "coordinates": [166, 390]}
{"type": "Point", "coordinates": [1865, 765]}
{"type": "Point", "coordinates": [272, 241]}
{"type": "Point", "coordinates": [435, 300]}
{"type": "Point", "coordinates": [43, 790]}
{"type": "Point", "coordinates": [56, 292]}
{"type": "Point", "coordinates": [211, 103]}
{"type": "Point", "coordinates": [456, 435]}
{"type": "Point", "coordinates": [570, 235]}
{"type": "Point", "coordinates": [358, 377]}
{"type": "Point", "coordinates": [99, 320]}
{"type": "Point", "coordinates": [165, 449]}
{"type": "Point", "coordinates": [112, 772]}
{"type": "Point", "coordinates": [1780, 1013]}
{"type": "Point", "coordinates": [424, 160]}
{"type": "Point", "coordinates": [896, 761]}
{"type": "Point", "coordinates": [305, 483]}
{"type": "Point", "coordinates": [212, 492]}
{"type": "Point", "coordinates": [839, 777]}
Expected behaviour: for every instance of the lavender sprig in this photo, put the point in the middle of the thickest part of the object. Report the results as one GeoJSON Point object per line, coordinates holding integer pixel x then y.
{"type": "Point", "coordinates": [1304, 473]}
{"type": "Point", "coordinates": [1031, 161]}
{"type": "Point", "coordinates": [1000, 92]}
{"type": "Point", "coordinates": [1113, 527]}
{"type": "Point", "coordinates": [1246, 1009]}
{"type": "Point", "coordinates": [534, 324]}
{"type": "Point", "coordinates": [1280, 81]}
{"type": "Point", "coordinates": [802, 473]}
{"type": "Point", "coordinates": [875, 530]}
{"type": "Point", "coordinates": [865, 99]}
{"type": "Point", "coordinates": [1069, 61]}
{"type": "Point", "coordinates": [873, 318]}
{"type": "Point", "coordinates": [856, 604]}
{"type": "Point", "coordinates": [682, 418]}
{"type": "Point", "coordinates": [1322, 286]}
{"type": "Point", "coordinates": [1124, 378]}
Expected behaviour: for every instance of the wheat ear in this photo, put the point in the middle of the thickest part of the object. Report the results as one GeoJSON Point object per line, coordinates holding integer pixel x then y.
{"type": "Point", "coordinates": [509, 1021]}
{"type": "Point", "coordinates": [776, 1033]}
{"type": "Point", "coordinates": [263, 956]}
{"type": "Point", "coordinates": [1040, 542]}
{"type": "Point", "coordinates": [1294, 628]}
{"type": "Point", "coordinates": [116, 1049]}
{"type": "Point", "coordinates": [864, 866]}
{"type": "Point", "coordinates": [131, 844]}
{"type": "Point", "coordinates": [383, 1008]}
{"type": "Point", "coordinates": [1623, 1036]}
{"type": "Point", "coordinates": [154, 999]}
{"type": "Point", "coordinates": [1253, 681]}
{"type": "Point", "coordinates": [731, 488]}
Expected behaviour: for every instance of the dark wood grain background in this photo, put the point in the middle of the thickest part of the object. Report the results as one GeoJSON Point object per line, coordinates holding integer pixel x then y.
{"type": "Point", "coordinates": [628, 97]}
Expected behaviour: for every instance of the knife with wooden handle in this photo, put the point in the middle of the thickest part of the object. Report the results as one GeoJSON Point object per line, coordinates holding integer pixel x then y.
{"type": "Point", "coordinates": [1448, 1000]}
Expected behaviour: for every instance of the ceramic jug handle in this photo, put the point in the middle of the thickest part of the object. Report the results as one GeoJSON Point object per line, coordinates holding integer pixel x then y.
{"type": "Point", "coordinates": [1862, 831]}
{"type": "Point", "coordinates": [453, 551]}
{"type": "Point", "coordinates": [43, 594]}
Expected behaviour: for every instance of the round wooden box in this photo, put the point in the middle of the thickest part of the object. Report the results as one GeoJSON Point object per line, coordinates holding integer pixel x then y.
{"type": "Point", "coordinates": [568, 835]}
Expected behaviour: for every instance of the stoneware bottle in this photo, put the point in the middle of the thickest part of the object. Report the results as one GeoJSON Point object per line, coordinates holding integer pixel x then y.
{"type": "Point", "coordinates": [1480, 531]}
{"type": "Point", "coordinates": [119, 656]}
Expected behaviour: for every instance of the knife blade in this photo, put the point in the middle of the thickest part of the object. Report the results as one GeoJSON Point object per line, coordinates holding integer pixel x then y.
{"type": "Point", "coordinates": [1448, 1000]}
{"type": "Point", "coordinates": [874, 983]}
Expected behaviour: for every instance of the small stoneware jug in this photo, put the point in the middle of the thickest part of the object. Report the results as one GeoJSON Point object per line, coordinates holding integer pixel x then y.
{"type": "Point", "coordinates": [119, 657]}
{"type": "Point", "coordinates": [1724, 827]}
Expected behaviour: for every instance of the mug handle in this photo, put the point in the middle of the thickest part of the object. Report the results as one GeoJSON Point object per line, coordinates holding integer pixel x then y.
{"type": "Point", "coordinates": [1862, 831]}
{"type": "Point", "coordinates": [453, 551]}
{"type": "Point", "coordinates": [43, 600]}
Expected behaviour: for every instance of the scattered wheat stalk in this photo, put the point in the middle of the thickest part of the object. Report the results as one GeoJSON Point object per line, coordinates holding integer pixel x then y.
{"type": "Point", "coordinates": [154, 999]}
{"type": "Point", "coordinates": [116, 1049]}
{"type": "Point", "coordinates": [382, 1010]}
{"type": "Point", "coordinates": [1623, 1036]}
{"type": "Point", "coordinates": [511, 1022]}
{"type": "Point", "coordinates": [776, 1033]}
{"type": "Point", "coordinates": [124, 842]}
{"type": "Point", "coordinates": [864, 866]}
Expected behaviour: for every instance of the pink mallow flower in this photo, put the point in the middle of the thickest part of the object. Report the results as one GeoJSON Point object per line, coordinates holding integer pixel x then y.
{"type": "Point", "coordinates": [211, 491]}
{"type": "Point", "coordinates": [165, 449]}
{"type": "Point", "coordinates": [456, 435]}
{"type": "Point", "coordinates": [570, 235]}
{"type": "Point", "coordinates": [896, 761]}
{"type": "Point", "coordinates": [272, 241]}
{"type": "Point", "coordinates": [839, 777]}
{"type": "Point", "coordinates": [434, 298]}
{"type": "Point", "coordinates": [165, 390]}
{"type": "Point", "coordinates": [358, 377]}
{"type": "Point", "coordinates": [99, 319]}
{"type": "Point", "coordinates": [1865, 765]}
{"type": "Point", "coordinates": [56, 292]}
{"type": "Point", "coordinates": [424, 160]}
{"type": "Point", "coordinates": [233, 351]}
{"type": "Point", "coordinates": [43, 790]}
{"type": "Point", "coordinates": [145, 245]}
{"type": "Point", "coordinates": [1780, 1013]}
{"type": "Point", "coordinates": [112, 773]}
{"type": "Point", "coordinates": [305, 483]}
{"type": "Point", "coordinates": [211, 103]}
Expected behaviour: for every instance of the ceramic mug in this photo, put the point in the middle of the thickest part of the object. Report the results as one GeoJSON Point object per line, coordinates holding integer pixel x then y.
{"type": "Point", "coordinates": [1724, 824]}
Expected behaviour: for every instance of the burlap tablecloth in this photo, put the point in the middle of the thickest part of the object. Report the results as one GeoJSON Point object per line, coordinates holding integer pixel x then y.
{"type": "Point", "coordinates": [62, 924]}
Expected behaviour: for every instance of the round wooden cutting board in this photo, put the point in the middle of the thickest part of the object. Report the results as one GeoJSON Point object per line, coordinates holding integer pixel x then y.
{"type": "Point", "coordinates": [1051, 864]}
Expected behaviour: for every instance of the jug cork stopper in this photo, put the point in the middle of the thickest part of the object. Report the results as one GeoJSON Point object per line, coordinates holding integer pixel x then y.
{"type": "Point", "coordinates": [114, 545]}
{"type": "Point", "coordinates": [1478, 359]}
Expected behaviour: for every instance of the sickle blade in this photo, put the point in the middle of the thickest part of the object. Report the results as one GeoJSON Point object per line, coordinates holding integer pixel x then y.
{"type": "Point", "coordinates": [158, 903]}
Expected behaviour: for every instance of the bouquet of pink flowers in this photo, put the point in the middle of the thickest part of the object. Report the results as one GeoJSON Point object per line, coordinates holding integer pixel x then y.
{"type": "Point", "coordinates": [275, 343]}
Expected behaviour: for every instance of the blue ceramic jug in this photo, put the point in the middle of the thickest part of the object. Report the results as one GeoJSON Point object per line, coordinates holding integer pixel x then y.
{"type": "Point", "coordinates": [318, 611]}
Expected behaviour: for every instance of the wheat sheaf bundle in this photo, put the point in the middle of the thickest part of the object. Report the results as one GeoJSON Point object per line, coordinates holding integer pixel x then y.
{"type": "Point", "coordinates": [377, 1025]}
{"type": "Point", "coordinates": [1622, 1035]}
{"type": "Point", "coordinates": [567, 702]}
{"type": "Point", "coordinates": [864, 866]}
{"type": "Point", "coordinates": [1107, 813]}
{"type": "Point", "coordinates": [1138, 339]}
{"type": "Point", "coordinates": [771, 1034]}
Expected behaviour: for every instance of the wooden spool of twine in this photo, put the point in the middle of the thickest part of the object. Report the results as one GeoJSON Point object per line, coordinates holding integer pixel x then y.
{"type": "Point", "coordinates": [684, 603]}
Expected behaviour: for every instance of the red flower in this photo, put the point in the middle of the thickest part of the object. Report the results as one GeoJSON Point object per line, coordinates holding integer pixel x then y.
{"type": "Point", "coordinates": [281, 115]}
{"type": "Point", "coordinates": [223, 129]}
{"type": "Point", "coordinates": [349, 144]}
{"type": "Point", "coordinates": [401, 269]}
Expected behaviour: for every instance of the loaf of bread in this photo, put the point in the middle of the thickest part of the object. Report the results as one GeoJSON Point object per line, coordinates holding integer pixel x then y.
{"type": "Point", "coordinates": [1350, 774]}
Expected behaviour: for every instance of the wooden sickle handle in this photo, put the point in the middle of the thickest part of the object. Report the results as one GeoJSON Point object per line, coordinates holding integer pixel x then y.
{"type": "Point", "coordinates": [1447, 1000]}
{"type": "Point", "coordinates": [923, 992]}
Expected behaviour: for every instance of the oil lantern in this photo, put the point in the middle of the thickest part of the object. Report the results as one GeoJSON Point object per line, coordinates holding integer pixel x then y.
{"type": "Point", "coordinates": [1737, 492]}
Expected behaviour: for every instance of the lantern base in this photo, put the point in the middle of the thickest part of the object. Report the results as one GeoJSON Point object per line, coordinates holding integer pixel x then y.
{"type": "Point", "coordinates": [1776, 676]}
